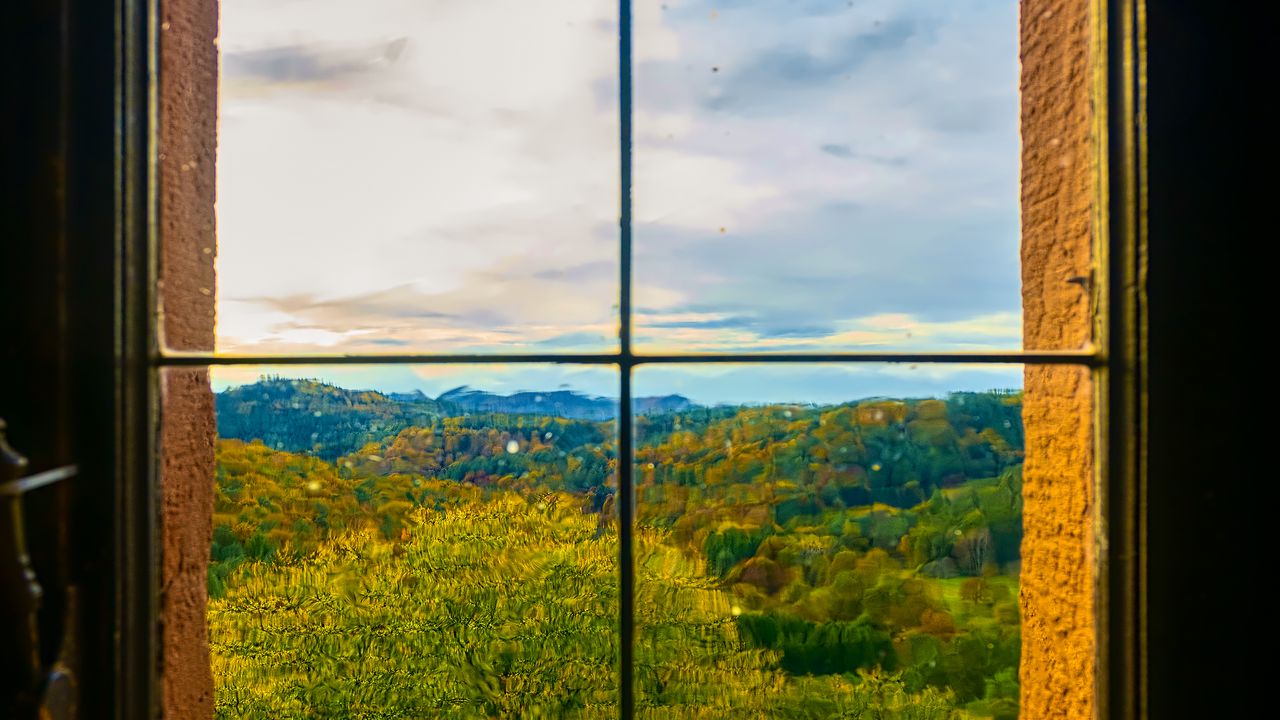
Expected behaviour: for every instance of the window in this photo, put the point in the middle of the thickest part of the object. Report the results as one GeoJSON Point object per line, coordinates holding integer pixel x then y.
{"type": "Point", "coordinates": [1053, 357]}
{"type": "Point", "coordinates": [95, 182]}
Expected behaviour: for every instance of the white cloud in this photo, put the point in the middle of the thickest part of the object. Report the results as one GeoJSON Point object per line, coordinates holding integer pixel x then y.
{"type": "Point", "coordinates": [682, 189]}
{"type": "Point", "coordinates": [442, 175]}
{"type": "Point", "coordinates": [480, 144]}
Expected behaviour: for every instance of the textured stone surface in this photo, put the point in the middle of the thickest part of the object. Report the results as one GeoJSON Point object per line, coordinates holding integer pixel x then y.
{"type": "Point", "coordinates": [188, 115]}
{"type": "Point", "coordinates": [1057, 175]}
{"type": "Point", "coordinates": [1058, 636]}
{"type": "Point", "coordinates": [1058, 620]}
{"type": "Point", "coordinates": [187, 140]}
{"type": "Point", "coordinates": [186, 511]}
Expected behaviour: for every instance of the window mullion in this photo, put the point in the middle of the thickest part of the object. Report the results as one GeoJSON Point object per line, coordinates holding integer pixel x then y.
{"type": "Point", "coordinates": [626, 492]}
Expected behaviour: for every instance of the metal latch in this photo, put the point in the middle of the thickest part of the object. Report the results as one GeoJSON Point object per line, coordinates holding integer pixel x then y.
{"type": "Point", "coordinates": [25, 684]}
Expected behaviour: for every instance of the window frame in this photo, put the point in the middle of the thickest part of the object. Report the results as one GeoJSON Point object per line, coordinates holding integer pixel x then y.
{"type": "Point", "coordinates": [1117, 359]}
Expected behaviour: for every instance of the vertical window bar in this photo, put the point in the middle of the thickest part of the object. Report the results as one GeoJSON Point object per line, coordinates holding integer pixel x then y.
{"type": "Point", "coordinates": [626, 516]}
{"type": "Point", "coordinates": [624, 165]}
{"type": "Point", "coordinates": [626, 492]}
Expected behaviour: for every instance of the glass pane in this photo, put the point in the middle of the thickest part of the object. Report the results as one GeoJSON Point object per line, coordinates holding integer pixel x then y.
{"type": "Point", "coordinates": [829, 541]}
{"type": "Point", "coordinates": [398, 176]}
{"type": "Point", "coordinates": [414, 542]}
{"type": "Point", "coordinates": [827, 176]}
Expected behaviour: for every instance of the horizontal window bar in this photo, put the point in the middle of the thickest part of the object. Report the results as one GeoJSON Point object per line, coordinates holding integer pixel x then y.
{"type": "Point", "coordinates": [1070, 357]}
{"type": "Point", "coordinates": [1090, 358]}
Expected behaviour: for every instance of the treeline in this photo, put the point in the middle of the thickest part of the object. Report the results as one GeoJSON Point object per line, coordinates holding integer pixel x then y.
{"type": "Point", "coordinates": [873, 542]}
{"type": "Point", "coordinates": [499, 606]}
{"type": "Point", "coordinates": [313, 417]}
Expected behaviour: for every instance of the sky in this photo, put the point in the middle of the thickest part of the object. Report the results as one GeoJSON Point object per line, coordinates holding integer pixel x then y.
{"type": "Point", "coordinates": [703, 384]}
{"type": "Point", "coordinates": [442, 176]}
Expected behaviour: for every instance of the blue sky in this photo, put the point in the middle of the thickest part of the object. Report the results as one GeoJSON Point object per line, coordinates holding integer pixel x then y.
{"type": "Point", "coordinates": [442, 176]}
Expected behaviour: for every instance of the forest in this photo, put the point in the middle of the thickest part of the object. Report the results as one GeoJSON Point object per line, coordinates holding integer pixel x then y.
{"type": "Point", "coordinates": [392, 558]}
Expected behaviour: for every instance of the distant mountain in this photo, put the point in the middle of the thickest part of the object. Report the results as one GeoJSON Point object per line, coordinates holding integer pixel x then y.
{"type": "Point", "coordinates": [417, 396]}
{"type": "Point", "coordinates": [559, 403]}
{"type": "Point", "coordinates": [314, 417]}
{"type": "Point", "coordinates": [663, 404]}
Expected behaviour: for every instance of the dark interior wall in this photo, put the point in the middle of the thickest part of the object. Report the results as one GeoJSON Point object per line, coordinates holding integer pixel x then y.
{"type": "Point", "coordinates": [1209, 404]}
{"type": "Point", "coordinates": [60, 319]}
{"type": "Point", "coordinates": [33, 234]}
{"type": "Point", "coordinates": [33, 307]}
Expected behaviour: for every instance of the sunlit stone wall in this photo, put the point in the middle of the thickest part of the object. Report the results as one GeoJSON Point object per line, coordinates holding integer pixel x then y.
{"type": "Point", "coordinates": [1058, 640]}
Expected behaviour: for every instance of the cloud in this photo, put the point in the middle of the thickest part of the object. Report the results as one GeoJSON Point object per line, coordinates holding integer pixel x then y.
{"type": "Point", "coordinates": [308, 63]}
{"type": "Point", "coordinates": [844, 152]}
{"type": "Point", "coordinates": [830, 264]}
{"type": "Point", "coordinates": [789, 69]}
{"type": "Point", "coordinates": [423, 176]}
{"type": "Point", "coordinates": [504, 308]}
{"type": "Point", "coordinates": [837, 150]}
{"type": "Point", "coordinates": [885, 134]}
{"type": "Point", "coordinates": [591, 271]}
{"type": "Point", "coordinates": [416, 172]}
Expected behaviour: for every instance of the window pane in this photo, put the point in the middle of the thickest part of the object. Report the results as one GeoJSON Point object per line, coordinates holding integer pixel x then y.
{"type": "Point", "coordinates": [827, 176]}
{"type": "Point", "coordinates": [389, 543]}
{"type": "Point", "coordinates": [400, 176]}
{"type": "Point", "coordinates": [828, 541]}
